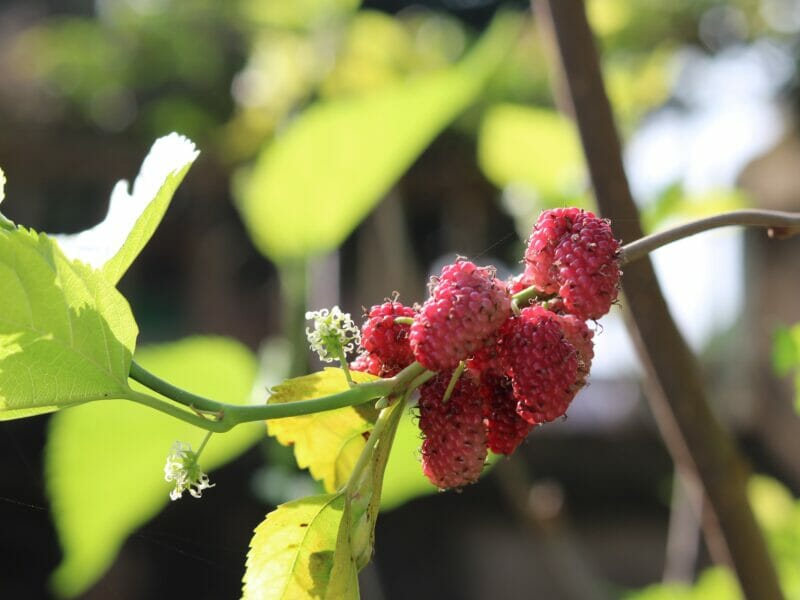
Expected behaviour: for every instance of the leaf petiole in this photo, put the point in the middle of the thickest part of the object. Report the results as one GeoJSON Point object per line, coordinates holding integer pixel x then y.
{"type": "Point", "coordinates": [230, 415]}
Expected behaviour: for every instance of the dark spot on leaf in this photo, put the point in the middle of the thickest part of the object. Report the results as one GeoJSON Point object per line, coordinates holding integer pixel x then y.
{"type": "Point", "coordinates": [303, 524]}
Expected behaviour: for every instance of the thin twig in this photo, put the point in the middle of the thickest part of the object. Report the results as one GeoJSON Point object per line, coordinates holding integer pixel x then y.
{"type": "Point", "coordinates": [693, 435]}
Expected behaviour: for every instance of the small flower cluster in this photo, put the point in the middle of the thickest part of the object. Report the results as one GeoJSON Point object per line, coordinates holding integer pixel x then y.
{"type": "Point", "coordinates": [183, 469]}
{"type": "Point", "coordinates": [334, 334]}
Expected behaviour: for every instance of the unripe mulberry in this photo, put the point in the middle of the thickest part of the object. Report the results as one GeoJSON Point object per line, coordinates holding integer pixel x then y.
{"type": "Point", "coordinates": [574, 253]}
{"type": "Point", "coordinates": [542, 364]}
{"type": "Point", "coordinates": [467, 306]}
{"type": "Point", "coordinates": [454, 444]}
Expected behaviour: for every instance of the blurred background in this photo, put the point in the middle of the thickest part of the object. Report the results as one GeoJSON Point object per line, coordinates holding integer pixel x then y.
{"type": "Point", "coordinates": [348, 150]}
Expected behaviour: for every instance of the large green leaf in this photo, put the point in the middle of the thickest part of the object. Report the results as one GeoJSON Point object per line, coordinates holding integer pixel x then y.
{"type": "Point", "coordinates": [302, 550]}
{"type": "Point", "coordinates": [105, 461]}
{"type": "Point", "coordinates": [534, 147]}
{"type": "Point", "coordinates": [114, 244]}
{"type": "Point", "coordinates": [317, 180]}
{"type": "Point", "coordinates": [328, 443]}
{"type": "Point", "coordinates": [66, 334]}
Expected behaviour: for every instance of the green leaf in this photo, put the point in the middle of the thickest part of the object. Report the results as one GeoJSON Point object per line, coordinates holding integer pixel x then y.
{"type": "Point", "coordinates": [328, 443]}
{"type": "Point", "coordinates": [534, 147]}
{"type": "Point", "coordinates": [314, 183]}
{"type": "Point", "coordinates": [786, 350]}
{"type": "Point", "coordinates": [66, 334]}
{"type": "Point", "coordinates": [105, 461]}
{"type": "Point", "coordinates": [298, 14]}
{"type": "Point", "coordinates": [404, 480]}
{"type": "Point", "coordinates": [114, 244]}
{"type": "Point", "coordinates": [786, 356]}
{"type": "Point", "coordinates": [301, 551]}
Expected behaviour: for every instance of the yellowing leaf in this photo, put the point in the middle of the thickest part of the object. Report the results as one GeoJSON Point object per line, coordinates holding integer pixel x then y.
{"type": "Point", "coordinates": [320, 177]}
{"type": "Point", "coordinates": [302, 550]}
{"type": "Point", "coordinates": [327, 443]}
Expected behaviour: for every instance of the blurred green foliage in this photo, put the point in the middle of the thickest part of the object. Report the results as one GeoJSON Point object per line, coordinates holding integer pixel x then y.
{"type": "Point", "coordinates": [786, 356]}
{"type": "Point", "coordinates": [105, 460]}
{"type": "Point", "coordinates": [778, 513]}
{"type": "Point", "coordinates": [320, 178]}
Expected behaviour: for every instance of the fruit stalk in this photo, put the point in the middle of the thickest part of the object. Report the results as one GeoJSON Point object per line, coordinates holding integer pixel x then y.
{"type": "Point", "coordinates": [694, 437]}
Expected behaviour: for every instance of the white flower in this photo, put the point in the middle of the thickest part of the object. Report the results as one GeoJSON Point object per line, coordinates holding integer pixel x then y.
{"type": "Point", "coordinates": [182, 468]}
{"type": "Point", "coordinates": [334, 333]}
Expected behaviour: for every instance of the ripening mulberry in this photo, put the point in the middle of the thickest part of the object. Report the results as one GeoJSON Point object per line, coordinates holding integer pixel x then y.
{"type": "Point", "coordinates": [573, 253]}
{"type": "Point", "coordinates": [468, 304]}
{"type": "Point", "coordinates": [505, 428]}
{"type": "Point", "coordinates": [542, 364]}
{"type": "Point", "coordinates": [580, 336]}
{"type": "Point", "coordinates": [454, 444]}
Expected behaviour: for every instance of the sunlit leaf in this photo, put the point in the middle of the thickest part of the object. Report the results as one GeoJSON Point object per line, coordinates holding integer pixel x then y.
{"type": "Point", "coordinates": [113, 244]}
{"type": "Point", "coordinates": [66, 334]}
{"type": "Point", "coordinates": [328, 443]}
{"type": "Point", "coordinates": [771, 501]}
{"type": "Point", "coordinates": [535, 147]}
{"type": "Point", "coordinates": [105, 461]}
{"type": "Point", "coordinates": [2, 185]}
{"type": "Point", "coordinates": [302, 551]}
{"type": "Point", "coordinates": [318, 179]}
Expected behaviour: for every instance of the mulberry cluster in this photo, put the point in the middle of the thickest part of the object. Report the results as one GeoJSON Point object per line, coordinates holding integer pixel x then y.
{"type": "Point", "coordinates": [520, 366]}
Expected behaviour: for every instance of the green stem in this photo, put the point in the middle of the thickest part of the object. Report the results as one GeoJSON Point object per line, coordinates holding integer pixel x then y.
{"type": "Point", "coordinates": [203, 445]}
{"type": "Point", "coordinates": [384, 420]}
{"type": "Point", "coordinates": [780, 224]}
{"type": "Point", "coordinates": [525, 296]}
{"type": "Point", "coordinates": [193, 401]}
{"type": "Point", "coordinates": [177, 412]}
{"type": "Point", "coordinates": [453, 381]}
{"type": "Point", "coordinates": [230, 415]}
{"type": "Point", "coordinates": [345, 367]}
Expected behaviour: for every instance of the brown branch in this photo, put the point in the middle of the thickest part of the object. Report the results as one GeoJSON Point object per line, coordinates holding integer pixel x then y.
{"type": "Point", "coordinates": [694, 437]}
